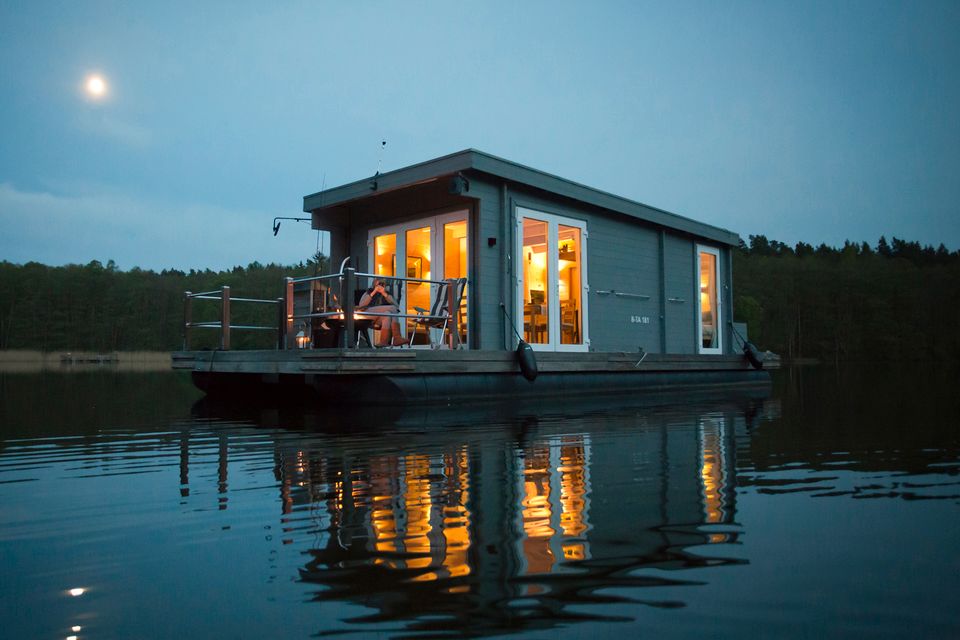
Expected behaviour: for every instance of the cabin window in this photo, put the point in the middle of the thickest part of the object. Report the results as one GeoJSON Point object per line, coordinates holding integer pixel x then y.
{"type": "Point", "coordinates": [536, 294]}
{"type": "Point", "coordinates": [551, 281]}
{"type": "Point", "coordinates": [385, 255]}
{"type": "Point", "coordinates": [455, 264]}
{"type": "Point", "coordinates": [709, 334]}
{"type": "Point", "coordinates": [418, 266]}
{"type": "Point", "coordinates": [570, 291]}
{"type": "Point", "coordinates": [433, 248]}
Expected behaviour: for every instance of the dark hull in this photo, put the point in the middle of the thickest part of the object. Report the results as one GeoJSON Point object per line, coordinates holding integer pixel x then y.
{"type": "Point", "coordinates": [448, 388]}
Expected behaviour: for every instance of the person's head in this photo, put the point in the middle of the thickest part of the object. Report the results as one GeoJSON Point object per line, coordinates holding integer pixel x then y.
{"type": "Point", "coordinates": [379, 282]}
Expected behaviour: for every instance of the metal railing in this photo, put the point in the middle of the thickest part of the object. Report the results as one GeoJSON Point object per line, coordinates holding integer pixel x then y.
{"type": "Point", "coordinates": [339, 307]}
{"type": "Point", "coordinates": [224, 325]}
{"type": "Point", "coordinates": [347, 313]}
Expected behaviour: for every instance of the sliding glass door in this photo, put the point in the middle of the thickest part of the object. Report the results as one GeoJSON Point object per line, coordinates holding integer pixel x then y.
{"type": "Point", "coordinates": [551, 281]}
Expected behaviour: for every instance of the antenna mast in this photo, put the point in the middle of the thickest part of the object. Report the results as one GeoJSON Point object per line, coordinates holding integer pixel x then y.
{"type": "Point", "coordinates": [383, 144]}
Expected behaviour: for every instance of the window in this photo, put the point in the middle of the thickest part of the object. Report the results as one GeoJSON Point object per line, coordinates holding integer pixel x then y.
{"type": "Point", "coordinates": [551, 281]}
{"type": "Point", "coordinates": [708, 302]}
{"type": "Point", "coordinates": [411, 247]}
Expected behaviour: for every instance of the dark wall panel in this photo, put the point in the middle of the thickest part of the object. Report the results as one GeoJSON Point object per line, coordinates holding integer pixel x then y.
{"type": "Point", "coordinates": [680, 264]}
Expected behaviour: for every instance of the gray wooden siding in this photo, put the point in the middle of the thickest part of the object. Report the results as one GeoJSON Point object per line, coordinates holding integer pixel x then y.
{"type": "Point", "coordinates": [622, 257]}
{"type": "Point", "coordinates": [486, 290]}
{"type": "Point", "coordinates": [624, 271]}
{"type": "Point", "coordinates": [730, 343]}
{"type": "Point", "coordinates": [679, 260]}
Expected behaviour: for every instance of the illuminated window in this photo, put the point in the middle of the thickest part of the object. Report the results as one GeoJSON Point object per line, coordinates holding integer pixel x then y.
{"type": "Point", "coordinates": [434, 248]}
{"type": "Point", "coordinates": [708, 301]}
{"type": "Point", "coordinates": [385, 255]}
{"type": "Point", "coordinates": [536, 293]}
{"type": "Point", "coordinates": [552, 272]}
{"type": "Point", "coordinates": [418, 266]}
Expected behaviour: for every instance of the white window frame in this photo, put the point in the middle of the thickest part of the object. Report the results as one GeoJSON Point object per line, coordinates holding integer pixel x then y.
{"type": "Point", "coordinates": [553, 324]}
{"type": "Point", "coordinates": [715, 252]}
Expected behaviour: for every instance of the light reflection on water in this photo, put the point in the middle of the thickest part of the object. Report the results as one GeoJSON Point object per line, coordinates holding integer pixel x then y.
{"type": "Point", "coordinates": [671, 515]}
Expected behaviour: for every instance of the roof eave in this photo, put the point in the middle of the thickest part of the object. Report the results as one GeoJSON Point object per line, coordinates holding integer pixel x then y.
{"type": "Point", "coordinates": [511, 171]}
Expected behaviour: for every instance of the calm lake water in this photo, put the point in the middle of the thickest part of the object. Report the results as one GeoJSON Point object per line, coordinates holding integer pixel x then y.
{"type": "Point", "coordinates": [826, 506]}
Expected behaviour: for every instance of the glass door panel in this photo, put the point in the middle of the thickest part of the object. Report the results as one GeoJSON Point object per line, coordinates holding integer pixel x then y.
{"type": "Point", "coordinates": [455, 265]}
{"type": "Point", "coordinates": [535, 290]}
{"type": "Point", "coordinates": [709, 301]}
{"type": "Point", "coordinates": [406, 250]}
{"type": "Point", "coordinates": [570, 290]}
{"type": "Point", "coordinates": [552, 281]}
{"type": "Point", "coordinates": [418, 267]}
{"type": "Point", "coordinates": [385, 254]}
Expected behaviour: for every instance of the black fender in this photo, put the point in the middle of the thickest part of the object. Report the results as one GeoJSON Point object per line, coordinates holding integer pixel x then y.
{"type": "Point", "coordinates": [527, 361]}
{"type": "Point", "coordinates": [753, 355]}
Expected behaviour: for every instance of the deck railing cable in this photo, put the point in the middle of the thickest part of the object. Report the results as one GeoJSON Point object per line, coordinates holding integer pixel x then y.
{"type": "Point", "coordinates": [224, 324]}
{"type": "Point", "coordinates": [347, 313]}
{"type": "Point", "coordinates": [340, 307]}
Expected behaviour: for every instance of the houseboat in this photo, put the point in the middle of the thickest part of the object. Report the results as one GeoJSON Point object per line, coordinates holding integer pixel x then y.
{"type": "Point", "coordinates": [497, 280]}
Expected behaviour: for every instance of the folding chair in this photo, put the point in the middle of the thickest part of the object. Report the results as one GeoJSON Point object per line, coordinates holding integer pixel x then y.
{"type": "Point", "coordinates": [439, 315]}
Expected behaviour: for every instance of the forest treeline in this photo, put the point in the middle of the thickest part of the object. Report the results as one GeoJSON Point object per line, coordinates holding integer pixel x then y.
{"type": "Point", "coordinates": [895, 300]}
{"type": "Point", "coordinates": [97, 307]}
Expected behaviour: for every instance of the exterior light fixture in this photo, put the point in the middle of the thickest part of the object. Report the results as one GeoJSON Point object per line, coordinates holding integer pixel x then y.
{"type": "Point", "coordinates": [276, 222]}
{"type": "Point", "coordinates": [459, 185]}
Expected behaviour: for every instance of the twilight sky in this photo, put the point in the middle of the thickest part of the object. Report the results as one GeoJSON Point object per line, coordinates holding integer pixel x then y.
{"type": "Point", "coordinates": [814, 121]}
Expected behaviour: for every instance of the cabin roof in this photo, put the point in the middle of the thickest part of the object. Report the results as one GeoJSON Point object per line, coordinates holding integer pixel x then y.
{"type": "Point", "coordinates": [474, 160]}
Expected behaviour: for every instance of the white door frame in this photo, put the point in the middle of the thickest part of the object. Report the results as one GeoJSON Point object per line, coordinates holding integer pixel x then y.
{"type": "Point", "coordinates": [553, 324]}
{"type": "Point", "coordinates": [436, 223]}
{"type": "Point", "coordinates": [715, 252]}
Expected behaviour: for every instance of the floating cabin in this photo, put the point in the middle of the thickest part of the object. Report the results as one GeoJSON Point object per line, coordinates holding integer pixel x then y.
{"type": "Point", "coordinates": [612, 296]}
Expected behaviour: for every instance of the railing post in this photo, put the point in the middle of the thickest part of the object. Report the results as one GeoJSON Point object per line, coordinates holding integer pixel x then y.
{"type": "Point", "coordinates": [348, 284]}
{"type": "Point", "coordinates": [187, 319]}
{"type": "Point", "coordinates": [454, 314]}
{"type": "Point", "coordinates": [289, 339]}
{"type": "Point", "coordinates": [225, 318]}
{"type": "Point", "coordinates": [281, 329]}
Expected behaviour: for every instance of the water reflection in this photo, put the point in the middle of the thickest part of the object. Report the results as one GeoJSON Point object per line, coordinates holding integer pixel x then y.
{"type": "Point", "coordinates": [517, 523]}
{"type": "Point", "coordinates": [897, 426]}
{"type": "Point", "coordinates": [674, 515]}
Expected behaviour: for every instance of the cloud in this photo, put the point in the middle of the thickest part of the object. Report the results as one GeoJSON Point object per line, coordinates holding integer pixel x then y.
{"type": "Point", "coordinates": [96, 224]}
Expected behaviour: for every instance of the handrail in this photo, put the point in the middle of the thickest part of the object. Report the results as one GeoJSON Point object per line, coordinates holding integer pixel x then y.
{"type": "Point", "coordinates": [347, 279]}
{"type": "Point", "coordinates": [313, 278]}
{"type": "Point", "coordinates": [224, 324]}
{"type": "Point", "coordinates": [346, 298]}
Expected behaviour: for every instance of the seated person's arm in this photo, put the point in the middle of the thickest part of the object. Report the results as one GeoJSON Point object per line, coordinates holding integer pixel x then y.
{"type": "Point", "coordinates": [364, 300]}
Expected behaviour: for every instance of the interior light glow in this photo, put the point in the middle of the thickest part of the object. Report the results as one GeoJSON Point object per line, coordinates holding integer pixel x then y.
{"type": "Point", "coordinates": [75, 628]}
{"type": "Point", "coordinates": [77, 591]}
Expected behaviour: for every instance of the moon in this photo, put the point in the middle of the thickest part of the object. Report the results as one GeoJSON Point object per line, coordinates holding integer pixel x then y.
{"type": "Point", "coordinates": [95, 86]}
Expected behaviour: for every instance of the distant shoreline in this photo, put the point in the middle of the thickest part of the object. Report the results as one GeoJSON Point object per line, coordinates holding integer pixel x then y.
{"type": "Point", "coordinates": [28, 361]}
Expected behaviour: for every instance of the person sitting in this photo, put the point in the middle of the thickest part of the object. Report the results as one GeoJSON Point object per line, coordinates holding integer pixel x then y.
{"type": "Point", "coordinates": [378, 300]}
